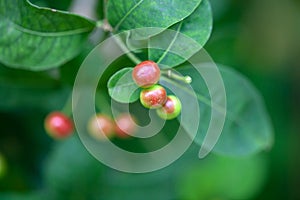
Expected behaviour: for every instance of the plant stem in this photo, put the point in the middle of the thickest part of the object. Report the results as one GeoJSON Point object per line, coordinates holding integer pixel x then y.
{"type": "Point", "coordinates": [135, 59]}
{"type": "Point", "coordinates": [172, 75]}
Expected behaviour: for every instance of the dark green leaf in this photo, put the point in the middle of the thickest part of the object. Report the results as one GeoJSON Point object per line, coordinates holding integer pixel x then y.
{"type": "Point", "coordinates": [247, 127]}
{"type": "Point", "coordinates": [20, 89]}
{"type": "Point", "coordinates": [71, 171]}
{"type": "Point", "coordinates": [223, 178]}
{"type": "Point", "coordinates": [56, 4]}
{"type": "Point", "coordinates": [132, 14]}
{"type": "Point", "coordinates": [197, 27]}
{"type": "Point", "coordinates": [39, 38]}
{"type": "Point", "coordinates": [122, 88]}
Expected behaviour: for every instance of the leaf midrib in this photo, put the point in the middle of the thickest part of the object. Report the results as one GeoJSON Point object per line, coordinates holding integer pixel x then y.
{"type": "Point", "coordinates": [127, 14]}
{"type": "Point", "coordinates": [49, 34]}
{"type": "Point", "coordinates": [171, 44]}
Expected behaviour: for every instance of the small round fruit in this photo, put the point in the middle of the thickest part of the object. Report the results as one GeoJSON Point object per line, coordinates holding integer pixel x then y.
{"type": "Point", "coordinates": [153, 97]}
{"type": "Point", "coordinates": [171, 109]}
{"type": "Point", "coordinates": [101, 127]}
{"type": "Point", "coordinates": [146, 74]}
{"type": "Point", "coordinates": [58, 125]}
{"type": "Point", "coordinates": [125, 125]}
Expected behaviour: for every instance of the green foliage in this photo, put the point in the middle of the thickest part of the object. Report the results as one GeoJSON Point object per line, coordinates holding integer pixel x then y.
{"type": "Point", "coordinates": [35, 41]}
{"type": "Point", "coordinates": [130, 14]}
{"type": "Point", "coordinates": [122, 88]}
{"type": "Point", "coordinates": [39, 38]}
{"type": "Point", "coordinates": [197, 26]}
{"type": "Point", "coordinates": [247, 128]}
{"type": "Point", "coordinates": [223, 178]}
{"type": "Point", "coordinates": [21, 89]}
{"type": "Point", "coordinates": [71, 171]}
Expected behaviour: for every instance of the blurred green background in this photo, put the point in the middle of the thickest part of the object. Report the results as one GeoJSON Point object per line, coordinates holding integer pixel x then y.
{"type": "Point", "coordinates": [258, 38]}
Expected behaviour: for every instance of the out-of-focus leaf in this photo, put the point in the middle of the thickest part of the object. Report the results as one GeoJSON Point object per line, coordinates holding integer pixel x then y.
{"type": "Point", "coordinates": [223, 178]}
{"type": "Point", "coordinates": [121, 85]}
{"type": "Point", "coordinates": [247, 128]}
{"type": "Point", "coordinates": [37, 38]}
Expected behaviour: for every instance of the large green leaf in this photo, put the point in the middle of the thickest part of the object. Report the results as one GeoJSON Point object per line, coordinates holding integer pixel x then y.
{"type": "Point", "coordinates": [20, 89]}
{"type": "Point", "coordinates": [71, 171]}
{"type": "Point", "coordinates": [39, 38]}
{"type": "Point", "coordinates": [122, 88]}
{"type": "Point", "coordinates": [223, 178]}
{"type": "Point", "coordinates": [132, 14]}
{"type": "Point", "coordinates": [247, 128]}
{"type": "Point", "coordinates": [197, 27]}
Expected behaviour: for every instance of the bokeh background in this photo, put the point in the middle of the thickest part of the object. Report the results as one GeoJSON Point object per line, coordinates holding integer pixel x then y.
{"type": "Point", "coordinates": [259, 38]}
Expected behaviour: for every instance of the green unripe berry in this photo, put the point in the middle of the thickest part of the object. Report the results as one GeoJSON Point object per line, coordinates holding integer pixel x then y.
{"type": "Point", "coordinates": [171, 109]}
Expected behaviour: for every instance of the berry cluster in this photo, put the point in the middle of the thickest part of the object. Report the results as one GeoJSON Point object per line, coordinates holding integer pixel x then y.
{"type": "Point", "coordinates": [60, 126]}
{"type": "Point", "coordinates": [101, 126]}
{"type": "Point", "coordinates": [153, 96]}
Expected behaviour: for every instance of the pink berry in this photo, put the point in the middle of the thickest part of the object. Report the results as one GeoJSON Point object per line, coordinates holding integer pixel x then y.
{"type": "Point", "coordinates": [101, 126]}
{"type": "Point", "coordinates": [125, 125]}
{"type": "Point", "coordinates": [58, 125]}
{"type": "Point", "coordinates": [146, 74]}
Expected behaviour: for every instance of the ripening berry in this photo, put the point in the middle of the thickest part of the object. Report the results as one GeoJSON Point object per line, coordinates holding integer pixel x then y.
{"type": "Point", "coordinates": [58, 125]}
{"type": "Point", "coordinates": [171, 109]}
{"type": "Point", "coordinates": [101, 127]}
{"type": "Point", "coordinates": [125, 125]}
{"type": "Point", "coordinates": [146, 74]}
{"type": "Point", "coordinates": [153, 97]}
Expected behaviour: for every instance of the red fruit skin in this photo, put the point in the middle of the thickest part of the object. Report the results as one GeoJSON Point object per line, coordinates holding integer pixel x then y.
{"type": "Point", "coordinates": [125, 125]}
{"type": "Point", "coordinates": [154, 97]}
{"type": "Point", "coordinates": [58, 125]}
{"type": "Point", "coordinates": [101, 127]}
{"type": "Point", "coordinates": [169, 106]}
{"type": "Point", "coordinates": [146, 74]}
{"type": "Point", "coordinates": [171, 109]}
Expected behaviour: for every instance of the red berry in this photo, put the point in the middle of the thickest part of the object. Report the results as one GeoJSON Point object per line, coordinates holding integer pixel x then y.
{"type": "Point", "coordinates": [125, 125]}
{"type": "Point", "coordinates": [171, 109]}
{"type": "Point", "coordinates": [100, 126]}
{"type": "Point", "coordinates": [146, 74]}
{"type": "Point", "coordinates": [58, 125]}
{"type": "Point", "coordinates": [153, 97]}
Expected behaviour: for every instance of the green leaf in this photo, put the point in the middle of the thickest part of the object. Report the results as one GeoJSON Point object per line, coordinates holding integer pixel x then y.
{"type": "Point", "coordinates": [217, 178]}
{"type": "Point", "coordinates": [247, 128]}
{"type": "Point", "coordinates": [36, 38]}
{"type": "Point", "coordinates": [71, 171]}
{"type": "Point", "coordinates": [122, 88]}
{"type": "Point", "coordinates": [20, 89]}
{"type": "Point", "coordinates": [197, 28]}
{"type": "Point", "coordinates": [132, 14]}
{"type": "Point", "coordinates": [56, 4]}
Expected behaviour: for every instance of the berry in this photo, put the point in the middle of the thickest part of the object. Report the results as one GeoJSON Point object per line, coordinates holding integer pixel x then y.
{"type": "Point", "coordinates": [125, 125]}
{"type": "Point", "coordinates": [146, 74]}
{"type": "Point", "coordinates": [58, 125]}
{"type": "Point", "coordinates": [171, 109]}
{"type": "Point", "coordinates": [153, 97]}
{"type": "Point", "coordinates": [100, 126]}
